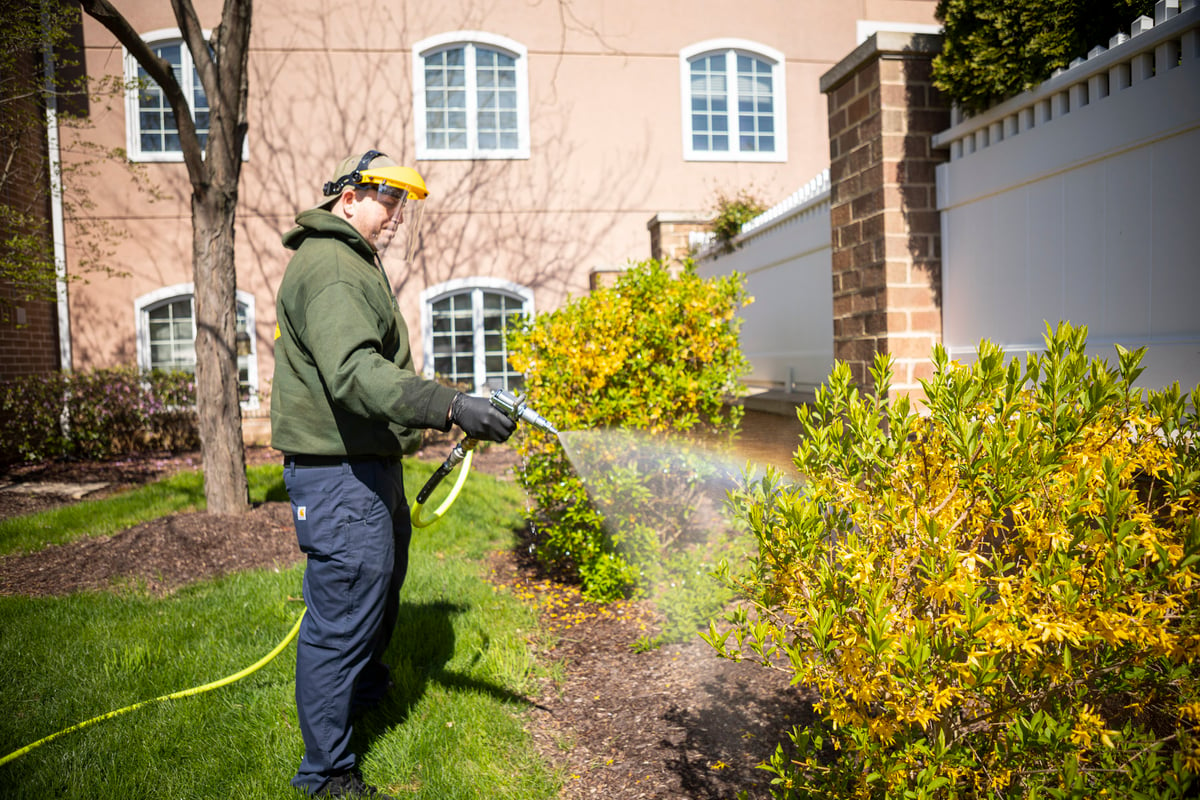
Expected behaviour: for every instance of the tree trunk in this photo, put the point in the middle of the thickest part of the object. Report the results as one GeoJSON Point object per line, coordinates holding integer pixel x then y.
{"type": "Point", "coordinates": [214, 172]}
{"type": "Point", "coordinates": [217, 403]}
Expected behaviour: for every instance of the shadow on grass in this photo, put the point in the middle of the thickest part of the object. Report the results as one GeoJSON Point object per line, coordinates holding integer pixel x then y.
{"type": "Point", "coordinates": [423, 644]}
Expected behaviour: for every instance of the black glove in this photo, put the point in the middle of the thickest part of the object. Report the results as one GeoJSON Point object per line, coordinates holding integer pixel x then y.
{"type": "Point", "coordinates": [479, 419]}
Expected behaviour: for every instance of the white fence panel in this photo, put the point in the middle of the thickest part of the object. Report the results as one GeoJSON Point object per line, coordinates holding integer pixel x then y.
{"type": "Point", "coordinates": [1078, 201]}
{"type": "Point", "coordinates": [787, 333]}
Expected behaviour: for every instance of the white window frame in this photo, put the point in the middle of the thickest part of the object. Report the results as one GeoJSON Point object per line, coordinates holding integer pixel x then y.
{"type": "Point", "coordinates": [133, 120]}
{"type": "Point", "coordinates": [142, 306]}
{"type": "Point", "coordinates": [477, 286]}
{"type": "Point", "coordinates": [469, 40]}
{"type": "Point", "coordinates": [731, 47]}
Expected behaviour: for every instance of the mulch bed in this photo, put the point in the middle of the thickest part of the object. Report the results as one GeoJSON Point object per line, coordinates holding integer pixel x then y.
{"type": "Point", "coordinates": [673, 723]}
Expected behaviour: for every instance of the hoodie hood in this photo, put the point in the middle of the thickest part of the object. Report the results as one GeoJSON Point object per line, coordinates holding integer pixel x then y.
{"type": "Point", "coordinates": [319, 222]}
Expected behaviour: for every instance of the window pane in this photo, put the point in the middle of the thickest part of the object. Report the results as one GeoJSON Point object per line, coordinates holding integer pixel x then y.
{"type": "Point", "coordinates": [708, 101]}
{"type": "Point", "coordinates": [171, 335]}
{"type": "Point", "coordinates": [444, 82]}
{"type": "Point", "coordinates": [755, 105]}
{"type": "Point", "coordinates": [456, 342]}
{"type": "Point", "coordinates": [496, 79]}
{"type": "Point", "coordinates": [154, 115]}
{"type": "Point", "coordinates": [157, 132]}
{"type": "Point", "coordinates": [451, 322]}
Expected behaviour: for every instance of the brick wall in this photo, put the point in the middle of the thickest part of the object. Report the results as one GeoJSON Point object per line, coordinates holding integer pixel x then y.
{"type": "Point", "coordinates": [883, 213]}
{"type": "Point", "coordinates": [28, 329]}
{"type": "Point", "coordinates": [28, 336]}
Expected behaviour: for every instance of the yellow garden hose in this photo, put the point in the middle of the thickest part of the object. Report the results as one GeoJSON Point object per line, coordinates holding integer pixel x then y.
{"type": "Point", "coordinates": [511, 405]}
{"type": "Point", "coordinates": [418, 520]}
{"type": "Point", "coordinates": [237, 676]}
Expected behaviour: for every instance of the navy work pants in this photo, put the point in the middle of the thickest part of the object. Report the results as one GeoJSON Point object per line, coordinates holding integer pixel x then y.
{"type": "Point", "coordinates": [352, 521]}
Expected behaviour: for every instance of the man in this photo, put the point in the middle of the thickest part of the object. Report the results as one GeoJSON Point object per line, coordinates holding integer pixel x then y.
{"type": "Point", "coordinates": [345, 405]}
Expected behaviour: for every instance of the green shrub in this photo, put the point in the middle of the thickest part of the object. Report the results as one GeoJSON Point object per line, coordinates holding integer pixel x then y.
{"type": "Point", "coordinates": [653, 353]}
{"type": "Point", "coordinates": [997, 48]}
{"type": "Point", "coordinates": [998, 598]}
{"type": "Point", "coordinates": [96, 415]}
{"type": "Point", "coordinates": [732, 213]}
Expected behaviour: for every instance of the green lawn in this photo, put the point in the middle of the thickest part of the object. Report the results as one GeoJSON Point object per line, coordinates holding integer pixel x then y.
{"type": "Point", "coordinates": [452, 728]}
{"type": "Point", "coordinates": [183, 491]}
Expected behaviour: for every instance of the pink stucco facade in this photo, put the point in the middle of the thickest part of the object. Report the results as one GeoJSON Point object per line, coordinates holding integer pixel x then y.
{"type": "Point", "coordinates": [606, 145]}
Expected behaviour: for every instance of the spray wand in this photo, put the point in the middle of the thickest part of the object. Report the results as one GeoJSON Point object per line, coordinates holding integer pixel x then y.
{"type": "Point", "coordinates": [512, 406]}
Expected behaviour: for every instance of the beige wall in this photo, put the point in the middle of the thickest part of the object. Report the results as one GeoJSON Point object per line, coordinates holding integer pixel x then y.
{"type": "Point", "coordinates": [329, 79]}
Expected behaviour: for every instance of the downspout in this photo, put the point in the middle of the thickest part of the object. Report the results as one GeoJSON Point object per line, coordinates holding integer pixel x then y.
{"type": "Point", "coordinates": [54, 158]}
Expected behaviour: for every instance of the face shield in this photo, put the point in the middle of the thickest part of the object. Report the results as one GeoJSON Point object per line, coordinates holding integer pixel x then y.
{"type": "Point", "coordinates": [401, 191]}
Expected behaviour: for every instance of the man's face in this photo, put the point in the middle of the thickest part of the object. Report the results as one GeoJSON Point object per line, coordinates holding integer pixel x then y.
{"type": "Point", "coordinates": [375, 215]}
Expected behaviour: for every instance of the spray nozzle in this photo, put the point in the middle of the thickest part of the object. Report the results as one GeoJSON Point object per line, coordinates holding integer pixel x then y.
{"type": "Point", "coordinates": [515, 408]}
{"type": "Point", "coordinates": [507, 403]}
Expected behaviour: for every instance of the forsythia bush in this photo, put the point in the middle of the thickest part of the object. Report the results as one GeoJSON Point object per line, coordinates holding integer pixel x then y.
{"type": "Point", "coordinates": [652, 353]}
{"type": "Point", "coordinates": [998, 599]}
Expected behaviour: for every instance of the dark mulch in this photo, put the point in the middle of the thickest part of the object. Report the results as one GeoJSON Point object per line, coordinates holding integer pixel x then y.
{"type": "Point", "coordinates": [671, 723]}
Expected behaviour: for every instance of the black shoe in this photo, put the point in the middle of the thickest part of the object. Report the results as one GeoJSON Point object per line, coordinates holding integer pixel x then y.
{"type": "Point", "coordinates": [350, 785]}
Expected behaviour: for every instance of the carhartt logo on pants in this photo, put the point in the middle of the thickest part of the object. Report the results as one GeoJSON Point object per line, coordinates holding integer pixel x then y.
{"type": "Point", "coordinates": [301, 512]}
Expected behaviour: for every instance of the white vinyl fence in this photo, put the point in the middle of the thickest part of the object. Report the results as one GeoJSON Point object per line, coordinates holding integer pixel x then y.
{"type": "Point", "coordinates": [1080, 201]}
{"type": "Point", "coordinates": [785, 254]}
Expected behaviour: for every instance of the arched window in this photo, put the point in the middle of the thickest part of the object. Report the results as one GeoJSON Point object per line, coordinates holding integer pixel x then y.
{"type": "Point", "coordinates": [150, 125]}
{"type": "Point", "coordinates": [734, 102]}
{"type": "Point", "coordinates": [471, 97]}
{"type": "Point", "coordinates": [166, 336]}
{"type": "Point", "coordinates": [464, 323]}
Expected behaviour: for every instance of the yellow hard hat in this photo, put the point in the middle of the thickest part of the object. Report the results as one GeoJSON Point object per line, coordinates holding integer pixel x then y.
{"type": "Point", "coordinates": [356, 171]}
{"type": "Point", "coordinates": [405, 178]}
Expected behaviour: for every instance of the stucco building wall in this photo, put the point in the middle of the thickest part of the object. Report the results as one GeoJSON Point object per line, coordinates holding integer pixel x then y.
{"type": "Point", "coordinates": [606, 146]}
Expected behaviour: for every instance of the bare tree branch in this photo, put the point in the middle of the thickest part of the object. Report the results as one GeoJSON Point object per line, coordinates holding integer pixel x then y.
{"type": "Point", "coordinates": [161, 72]}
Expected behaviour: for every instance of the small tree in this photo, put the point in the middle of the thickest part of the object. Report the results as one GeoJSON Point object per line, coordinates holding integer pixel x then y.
{"type": "Point", "coordinates": [214, 170]}
{"type": "Point", "coordinates": [999, 598]}
{"type": "Point", "coordinates": [997, 48]}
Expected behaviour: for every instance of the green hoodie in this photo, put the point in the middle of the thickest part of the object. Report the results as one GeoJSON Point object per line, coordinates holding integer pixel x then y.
{"type": "Point", "coordinates": [344, 381]}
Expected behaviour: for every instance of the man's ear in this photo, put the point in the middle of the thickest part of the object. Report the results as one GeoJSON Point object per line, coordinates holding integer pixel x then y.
{"type": "Point", "coordinates": [344, 207]}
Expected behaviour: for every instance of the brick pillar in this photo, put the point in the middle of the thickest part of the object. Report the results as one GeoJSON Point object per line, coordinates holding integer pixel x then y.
{"type": "Point", "coordinates": [886, 238]}
{"type": "Point", "coordinates": [669, 234]}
